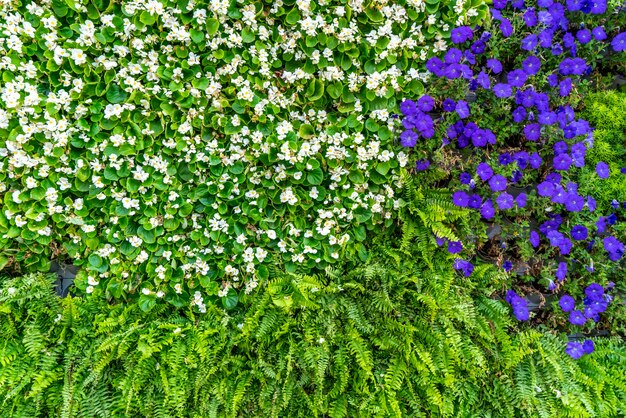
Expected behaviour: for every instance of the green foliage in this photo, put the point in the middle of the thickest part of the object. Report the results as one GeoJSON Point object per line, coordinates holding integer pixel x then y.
{"type": "Point", "coordinates": [389, 339]}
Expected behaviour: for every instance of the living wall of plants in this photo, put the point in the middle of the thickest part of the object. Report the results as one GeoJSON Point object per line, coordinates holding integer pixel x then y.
{"type": "Point", "coordinates": [333, 209]}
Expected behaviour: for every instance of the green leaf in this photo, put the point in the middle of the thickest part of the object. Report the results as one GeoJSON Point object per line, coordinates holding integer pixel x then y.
{"type": "Point", "coordinates": [371, 125]}
{"type": "Point", "coordinates": [374, 15]}
{"type": "Point", "coordinates": [306, 131]}
{"type": "Point", "coordinates": [95, 260]}
{"type": "Point", "coordinates": [263, 273]}
{"type": "Point", "coordinates": [293, 16]}
{"type": "Point", "coordinates": [147, 302]}
{"type": "Point", "coordinates": [315, 176]}
{"type": "Point", "coordinates": [356, 177]}
{"type": "Point", "coordinates": [231, 299]}
{"type": "Point", "coordinates": [196, 36]}
{"type": "Point", "coordinates": [147, 18]}
{"type": "Point", "coordinates": [115, 94]}
{"type": "Point", "coordinates": [211, 26]}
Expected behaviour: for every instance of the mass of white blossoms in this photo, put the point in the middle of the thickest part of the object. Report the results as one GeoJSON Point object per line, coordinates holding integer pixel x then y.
{"type": "Point", "coordinates": [176, 149]}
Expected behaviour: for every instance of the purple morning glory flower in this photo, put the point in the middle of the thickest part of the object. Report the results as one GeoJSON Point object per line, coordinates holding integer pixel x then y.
{"type": "Point", "coordinates": [588, 346]}
{"type": "Point", "coordinates": [602, 169]}
{"type": "Point", "coordinates": [455, 247]}
{"type": "Point", "coordinates": [591, 203]}
{"type": "Point", "coordinates": [562, 162]}
{"type": "Point", "coordinates": [530, 42]}
{"type": "Point", "coordinates": [497, 183]}
{"type": "Point", "coordinates": [483, 80]}
{"type": "Point", "coordinates": [460, 198]}
{"type": "Point", "coordinates": [487, 210]}
{"type": "Point", "coordinates": [534, 239]}
{"type": "Point", "coordinates": [465, 266]}
{"type": "Point", "coordinates": [506, 28]}
{"type": "Point", "coordinates": [618, 43]}
{"type": "Point", "coordinates": [611, 219]}
{"type": "Point", "coordinates": [531, 65]}
{"type": "Point", "coordinates": [535, 160]}
{"type": "Point", "coordinates": [567, 303]}
{"type": "Point", "coordinates": [494, 65]}
{"type": "Point", "coordinates": [614, 247]}
{"type": "Point", "coordinates": [519, 114]}
{"type": "Point", "coordinates": [408, 107]}
{"type": "Point", "coordinates": [502, 90]}
{"type": "Point", "coordinates": [594, 291]}
{"type": "Point", "coordinates": [422, 165]}
{"type": "Point", "coordinates": [449, 105]}
{"type": "Point", "coordinates": [577, 318]}
{"type": "Point", "coordinates": [465, 178]}
{"type": "Point", "coordinates": [546, 189]}
{"type": "Point", "coordinates": [561, 271]}
{"type": "Point", "coordinates": [583, 36]}
{"type": "Point", "coordinates": [408, 139]}
{"type": "Point", "coordinates": [574, 203]}
{"type": "Point", "coordinates": [565, 87]}
{"type": "Point", "coordinates": [504, 201]}
{"type": "Point", "coordinates": [601, 224]}
{"type": "Point", "coordinates": [532, 132]}
{"type": "Point", "coordinates": [598, 33]}
{"type": "Point", "coordinates": [475, 202]}
{"type": "Point", "coordinates": [507, 266]}
{"type": "Point", "coordinates": [435, 65]}
{"type": "Point", "coordinates": [425, 103]}
{"type": "Point", "coordinates": [462, 109]}
{"type": "Point", "coordinates": [517, 78]}
{"type": "Point", "coordinates": [579, 232]}
{"type": "Point", "coordinates": [484, 171]}
{"type": "Point", "coordinates": [530, 17]}
{"type": "Point", "coordinates": [574, 349]}
{"type": "Point", "coordinates": [520, 200]}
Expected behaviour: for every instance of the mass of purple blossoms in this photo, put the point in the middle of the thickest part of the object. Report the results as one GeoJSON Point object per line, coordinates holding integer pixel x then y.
{"type": "Point", "coordinates": [536, 110]}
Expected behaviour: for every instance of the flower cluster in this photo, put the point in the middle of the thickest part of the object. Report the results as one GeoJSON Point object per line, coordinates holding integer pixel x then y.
{"type": "Point", "coordinates": [173, 148]}
{"type": "Point", "coordinates": [527, 168]}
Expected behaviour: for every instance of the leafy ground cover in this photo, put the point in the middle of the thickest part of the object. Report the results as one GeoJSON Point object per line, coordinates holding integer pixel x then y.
{"type": "Point", "coordinates": [330, 209]}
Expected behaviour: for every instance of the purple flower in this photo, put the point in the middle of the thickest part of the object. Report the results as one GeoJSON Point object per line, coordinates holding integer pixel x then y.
{"type": "Point", "coordinates": [462, 109]}
{"type": "Point", "coordinates": [465, 178]}
{"type": "Point", "coordinates": [545, 189]}
{"type": "Point", "coordinates": [530, 17]}
{"type": "Point", "coordinates": [577, 318]}
{"type": "Point", "coordinates": [462, 34]}
{"type": "Point", "coordinates": [453, 56]}
{"type": "Point", "coordinates": [602, 169]}
{"type": "Point", "coordinates": [530, 42]}
{"type": "Point", "coordinates": [531, 65]}
{"type": "Point", "coordinates": [487, 210]}
{"type": "Point", "coordinates": [579, 232]}
{"type": "Point", "coordinates": [561, 271]}
{"type": "Point", "coordinates": [535, 161]}
{"type": "Point", "coordinates": [567, 303]}
{"type": "Point", "coordinates": [601, 224]}
{"type": "Point", "coordinates": [507, 266]}
{"type": "Point", "coordinates": [598, 7]}
{"type": "Point", "coordinates": [484, 171]}
{"type": "Point", "coordinates": [408, 139]}
{"type": "Point", "coordinates": [521, 313]}
{"type": "Point", "coordinates": [497, 183]}
{"type": "Point", "coordinates": [574, 349]}
{"type": "Point", "coordinates": [422, 165]}
{"type": "Point", "coordinates": [588, 346]}
{"type": "Point", "coordinates": [465, 266]}
{"type": "Point", "coordinates": [517, 78]}
{"type": "Point", "coordinates": [504, 201]}
{"type": "Point", "coordinates": [455, 247]}
{"type": "Point", "coordinates": [598, 33]}
{"type": "Point", "coordinates": [614, 247]}
{"type": "Point", "coordinates": [520, 200]}
{"type": "Point", "coordinates": [425, 103]}
{"type": "Point", "coordinates": [618, 43]}
{"type": "Point", "coordinates": [594, 292]}
{"type": "Point", "coordinates": [494, 65]}
{"type": "Point", "coordinates": [435, 66]}
{"type": "Point", "coordinates": [562, 162]}
{"type": "Point", "coordinates": [506, 28]}
{"type": "Point", "coordinates": [591, 203]}
{"type": "Point", "coordinates": [475, 202]}
{"type": "Point", "coordinates": [583, 36]}
{"type": "Point", "coordinates": [449, 105]}
{"type": "Point", "coordinates": [519, 114]}
{"type": "Point", "coordinates": [565, 87]}
{"type": "Point", "coordinates": [534, 239]}
{"type": "Point", "coordinates": [408, 107]}
{"type": "Point", "coordinates": [440, 241]}
{"type": "Point", "coordinates": [532, 132]}
{"type": "Point", "coordinates": [460, 198]}
{"type": "Point", "coordinates": [574, 203]}
{"type": "Point", "coordinates": [483, 80]}
{"type": "Point", "coordinates": [502, 90]}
